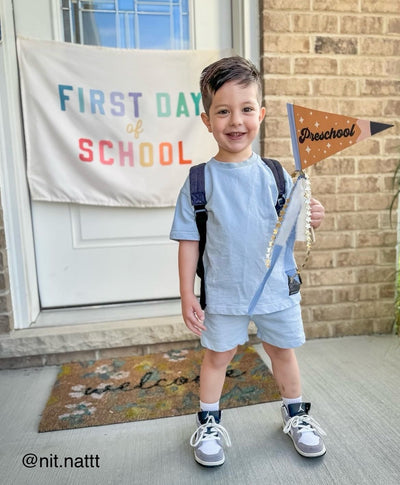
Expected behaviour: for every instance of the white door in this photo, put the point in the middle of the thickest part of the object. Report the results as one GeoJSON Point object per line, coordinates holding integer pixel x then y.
{"type": "Point", "coordinates": [91, 255]}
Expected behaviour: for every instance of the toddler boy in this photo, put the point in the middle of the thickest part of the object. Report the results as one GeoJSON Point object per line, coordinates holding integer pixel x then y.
{"type": "Point", "coordinates": [241, 196]}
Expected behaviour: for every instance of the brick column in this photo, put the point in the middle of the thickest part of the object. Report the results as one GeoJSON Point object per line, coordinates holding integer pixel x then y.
{"type": "Point", "coordinates": [6, 315]}
{"type": "Point", "coordinates": [343, 57]}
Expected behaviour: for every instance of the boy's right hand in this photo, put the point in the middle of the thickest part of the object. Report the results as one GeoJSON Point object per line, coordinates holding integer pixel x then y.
{"type": "Point", "coordinates": [193, 315]}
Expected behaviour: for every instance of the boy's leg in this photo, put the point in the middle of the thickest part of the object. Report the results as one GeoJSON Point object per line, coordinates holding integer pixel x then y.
{"type": "Point", "coordinates": [206, 440]}
{"type": "Point", "coordinates": [304, 431]}
{"type": "Point", "coordinates": [212, 374]}
{"type": "Point", "coordinates": [285, 369]}
{"type": "Point", "coordinates": [220, 339]}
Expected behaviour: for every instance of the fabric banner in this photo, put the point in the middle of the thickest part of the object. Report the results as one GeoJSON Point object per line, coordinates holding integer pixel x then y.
{"type": "Point", "coordinates": [111, 127]}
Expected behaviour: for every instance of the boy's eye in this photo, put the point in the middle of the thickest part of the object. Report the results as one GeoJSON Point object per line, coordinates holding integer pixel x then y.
{"type": "Point", "coordinates": [248, 109]}
{"type": "Point", "coordinates": [222, 112]}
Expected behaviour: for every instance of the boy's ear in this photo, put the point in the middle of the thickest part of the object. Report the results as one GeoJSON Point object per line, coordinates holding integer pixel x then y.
{"type": "Point", "coordinates": [206, 121]}
{"type": "Point", "coordinates": [262, 114]}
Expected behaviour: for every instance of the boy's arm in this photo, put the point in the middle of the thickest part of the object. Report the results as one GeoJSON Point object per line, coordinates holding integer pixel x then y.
{"type": "Point", "coordinates": [192, 313]}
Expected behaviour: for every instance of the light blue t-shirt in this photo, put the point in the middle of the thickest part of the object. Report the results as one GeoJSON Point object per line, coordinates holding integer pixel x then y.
{"type": "Point", "coordinates": [241, 200]}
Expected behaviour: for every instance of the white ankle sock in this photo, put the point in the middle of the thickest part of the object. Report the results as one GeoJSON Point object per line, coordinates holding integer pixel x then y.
{"type": "Point", "coordinates": [210, 447]}
{"type": "Point", "coordinates": [205, 406]}
{"type": "Point", "coordinates": [287, 401]}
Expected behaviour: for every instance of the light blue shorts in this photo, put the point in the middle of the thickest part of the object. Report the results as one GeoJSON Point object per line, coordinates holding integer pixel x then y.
{"type": "Point", "coordinates": [283, 329]}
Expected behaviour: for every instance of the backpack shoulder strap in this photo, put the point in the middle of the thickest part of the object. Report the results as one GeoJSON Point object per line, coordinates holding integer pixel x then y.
{"type": "Point", "coordinates": [197, 185]}
{"type": "Point", "coordinates": [199, 201]}
{"type": "Point", "coordinates": [277, 171]}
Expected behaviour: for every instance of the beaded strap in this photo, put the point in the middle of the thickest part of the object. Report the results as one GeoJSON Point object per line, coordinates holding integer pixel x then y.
{"type": "Point", "coordinates": [308, 231]}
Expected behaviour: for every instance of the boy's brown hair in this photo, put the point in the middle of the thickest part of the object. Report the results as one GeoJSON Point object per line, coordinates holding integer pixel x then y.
{"type": "Point", "coordinates": [233, 68]}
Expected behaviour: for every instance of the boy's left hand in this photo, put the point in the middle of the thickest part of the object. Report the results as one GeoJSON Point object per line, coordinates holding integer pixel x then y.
{"type": "Point", "coordinates": [317, 213]}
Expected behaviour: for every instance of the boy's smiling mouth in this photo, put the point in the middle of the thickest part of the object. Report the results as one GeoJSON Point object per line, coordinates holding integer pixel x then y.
{"type": "Point", "coordinates": [235, 134]}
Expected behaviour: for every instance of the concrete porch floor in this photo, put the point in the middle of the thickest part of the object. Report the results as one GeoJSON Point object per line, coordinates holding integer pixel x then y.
{"type": "Point", "coordinates": [353, 383]}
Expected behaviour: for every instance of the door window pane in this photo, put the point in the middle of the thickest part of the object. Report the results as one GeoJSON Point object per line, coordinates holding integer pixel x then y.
{"type": "Point", "coordinates": [131, 24]}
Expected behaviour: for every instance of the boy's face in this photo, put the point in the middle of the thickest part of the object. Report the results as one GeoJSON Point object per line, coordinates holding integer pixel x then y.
{"type": "Point", "coordinates": [234, 120]}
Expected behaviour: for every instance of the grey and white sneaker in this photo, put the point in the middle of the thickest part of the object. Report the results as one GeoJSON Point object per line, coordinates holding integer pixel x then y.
{"type": "Point", "coordinates": [206, 440]}
{"type": "Point", "coordinates": [304, 431]}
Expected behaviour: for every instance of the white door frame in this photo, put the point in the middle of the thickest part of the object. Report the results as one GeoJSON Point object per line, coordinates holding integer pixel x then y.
{"type": "Point", "coordinates": [14, 188]}
{"type": "Point", "coordinates": [13, 182]}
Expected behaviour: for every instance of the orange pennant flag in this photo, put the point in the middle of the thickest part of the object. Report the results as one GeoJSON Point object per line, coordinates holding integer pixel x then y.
{"type": "Point", "coordinates": [317, 135]}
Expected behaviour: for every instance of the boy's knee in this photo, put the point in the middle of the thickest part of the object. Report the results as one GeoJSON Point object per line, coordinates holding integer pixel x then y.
{"type": "Point", "coordinates": [219, 359]}
{"type": "Point", "coordinates": [278, 352]}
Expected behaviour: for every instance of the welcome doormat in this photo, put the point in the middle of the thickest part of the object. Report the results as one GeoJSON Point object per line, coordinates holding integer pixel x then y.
{"type": "Point", "coordinates": [127, 389]}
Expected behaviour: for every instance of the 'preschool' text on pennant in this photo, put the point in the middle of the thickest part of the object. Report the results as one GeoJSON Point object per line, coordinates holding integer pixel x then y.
{"type": "Point", "coordinates": [317, 135]}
